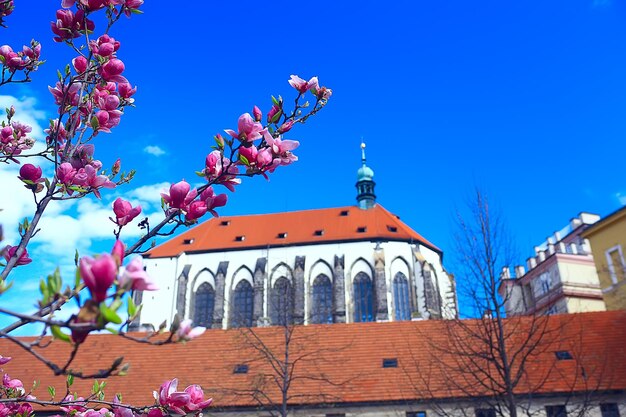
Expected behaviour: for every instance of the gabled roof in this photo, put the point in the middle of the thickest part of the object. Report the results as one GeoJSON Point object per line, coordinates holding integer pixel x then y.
{"type": "Point", "coordinates": [349, 356]}
{"type": "Point", "coordinates": [304, 227]}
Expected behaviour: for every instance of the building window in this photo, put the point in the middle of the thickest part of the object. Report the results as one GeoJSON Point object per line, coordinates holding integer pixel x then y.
{"type": "Point", "coordinates": [609, 410]}
{"type": "Point", "coordinates": [282, 302]}
{"type": "Point", "coordinates": [243, 305]}
{"type": "Point", "coordinates": [363, 298]}
{"type": "Point", "coordinates": [322, 311]}
{"type": "Point", "coordinates": [416, 414]}
{"type": "Point", "coordinates": [203, 305]}
{"type": "Point", "coordinates": [617, 267]}
{"type": "Point", "coordinates": [556, 411]}
{"type": "Point", "coordinates": [401, 297]}
{"type": "Point", "coordinates": [485, 412]}
{"type": "Point", "coordinates": [544, 281]}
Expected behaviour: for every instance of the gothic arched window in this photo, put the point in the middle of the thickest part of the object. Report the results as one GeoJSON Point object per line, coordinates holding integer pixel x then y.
{"type": "Point", "coordinates": [401, 297]}
{"type": "Point", "coordinates": [243, 302]}
{"type": "Point", "coordinates": [281, 300]}
{"type": "Point", "coordinates": [363, 298]}
{"type": "Point", "coordinates": [203, 305]}
{"type": "Point", "coordinates": [322, 300]}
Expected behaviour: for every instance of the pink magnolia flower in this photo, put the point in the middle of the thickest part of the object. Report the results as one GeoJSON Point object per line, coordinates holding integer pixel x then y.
{"type": "Point", "coordinates": [215, 170]}
{"type": "Point", "coordinates": [69, 25]}
{"type": "Point", "coordinates": [249, 130]}
{"type": "Point", "coordinates": [80, 64]}
{"type": "Point", "coordinates": [9, 252]}
{"type": "Point", "coordinates": [285, 127]}
{"type": "Point", "coordinates": [137, 277]}
{"type": "Point", "coordinates": [76, 405]}
{"type": "Point", "coordinates": [12, 383]}
{"type": "Point", "coordinates": [195, 210]}
{"type": "Point", "coordinates": [66, 95]}
{"type": "Point", "coordinates": [186, 332]}
{"type": "Point", "coordinates": [256, 112]}
{"type": "Point", "coordinates": [104, 46]}
{"type": "Point", "coordinates": [181, 402]}
{"type": "Point", "coordinates": [180, 195]}
{"type": "Point", "coordinates": [281, 149]}
{"type": "Point", "coordinates": [124, 212]}
{"type": "Point", "coordinates": [82, 155]}
{"type": "Point", "coordinates": [66, 173]}
{"type": "Point", "coordinates": [301, 85]}
{"type": "Point", "coordinates": [126, 91]}
{"type": "Point", "coordinates": [98, 274]}
{"type": "Point", "coordinates": [112, 70]}
{"type": "Point", "coordinates": [29, 172]}
{"type": "Point", "coordinates": [273, 112]}
{"type": "Point", "coordinates": [118, 252]}
{"type": "Point", "coordinates": [131, 5]}
{"type": "Point", "coordinates": [196, 397]}
{"type": "Point", "coordinates": [88, 176]}
{"type": "Point", "coordinates": [4, 359]}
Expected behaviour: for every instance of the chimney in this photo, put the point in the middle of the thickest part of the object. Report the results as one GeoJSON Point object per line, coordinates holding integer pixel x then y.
{"type": "Point", "coordinates": [531, 263]}
{"type": "Point", "coordinates": [550, 248]}
{"type": "Point", "coordinates": [557, 236]}
{"type": "Point", "coordinates": [561, 248]}
{"type": "Point", "coordinates": [574, 248]}
{"type": "Point", "coordinates": [541, 256]}
{"type": "Point", "coordinates": [506, 274]}
{"type": "Point", "coordinates": [519, 271]}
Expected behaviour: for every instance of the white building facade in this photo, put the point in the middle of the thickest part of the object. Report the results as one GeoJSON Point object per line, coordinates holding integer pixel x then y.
{"type": "Point", "coordinates": [348, 264]}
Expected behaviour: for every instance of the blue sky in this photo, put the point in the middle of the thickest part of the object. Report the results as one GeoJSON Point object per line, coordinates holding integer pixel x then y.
{"type": "Point", "coordinates": [524, 99]}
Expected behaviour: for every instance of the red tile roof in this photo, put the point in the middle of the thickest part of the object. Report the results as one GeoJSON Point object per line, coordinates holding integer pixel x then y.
{"type": "Point", "coordinates": [348, 355]}
{"type": "Point", "coordinates": [290, 228]}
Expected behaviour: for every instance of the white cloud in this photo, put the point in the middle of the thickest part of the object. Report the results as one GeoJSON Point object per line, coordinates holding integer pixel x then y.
{"type": "Point", "coordinates": [621, 197]}
{"type": "Point", "coordinates": [154, 150]}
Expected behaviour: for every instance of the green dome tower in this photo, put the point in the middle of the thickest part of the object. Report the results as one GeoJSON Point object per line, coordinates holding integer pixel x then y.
{"type": "Point", "coordinates": [365, 184]}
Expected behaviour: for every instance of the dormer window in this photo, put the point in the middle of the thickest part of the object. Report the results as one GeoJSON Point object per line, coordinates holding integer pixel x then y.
{"type": "Point", "coordinates": [188, 241]}
{"type": "Point", "coordinates": [240, 369]}
{"type": "Point", "coordinates": [361, 229]}
{"type": "Point", "coordinates": [392, 229]}
{"type": "Point", "coordinates": [240, 238]}
{"type": "Point", "coordinates": [225, 223]}
{"type": "Point", "coordinates": [344, 213]}
{"type": "Point", "coordinates": [390, 363]}
{"type": "Point", "coordinates": [282, 235]}
{"type": "Point", "coordinates": [319, 232]}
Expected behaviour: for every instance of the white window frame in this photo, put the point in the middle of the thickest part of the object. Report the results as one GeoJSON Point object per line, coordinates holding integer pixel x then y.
{"type": "Point", "coordinates": [609, 260]}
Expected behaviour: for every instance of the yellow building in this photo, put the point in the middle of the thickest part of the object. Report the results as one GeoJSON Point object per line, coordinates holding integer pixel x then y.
{"type": "Point", "coordinates": [608, 244]}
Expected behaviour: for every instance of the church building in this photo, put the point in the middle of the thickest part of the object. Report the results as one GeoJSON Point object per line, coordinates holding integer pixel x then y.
{"type": "Point", "coordinates": [348, 264]}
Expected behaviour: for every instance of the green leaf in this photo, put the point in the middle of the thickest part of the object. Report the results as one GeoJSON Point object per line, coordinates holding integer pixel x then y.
{"type": "Point", "coordinates": [109, 315]}
{"type": "Point", "coordinates": [276, 117]}
{"type": "Point", "coordinates": [58, 334]}
{"type": "Point", "coordinates": [95, 387]}
{"type": "Point", "coordinates": [77, 278]}
{"type": "Point", "coordinates": [115, 305]}
{"type": "Point", "coordinates": [131, 307]}
{"type": "Point", "coordinates": [244, 160]}
{"type": "Point", "coordinates": [70, 380]}
{"type": "Point", "coordinates": [95, 124]}
{"type": "Point", "coordinates": [111, 330]}
{"type": "Point", "coordinates": [51, 391]}
{"type": "Point", "coordinates": [275, 101]}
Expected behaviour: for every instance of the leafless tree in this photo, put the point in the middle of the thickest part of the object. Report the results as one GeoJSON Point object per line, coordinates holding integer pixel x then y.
{"type": "Point", "coordinates": [287, 360]}
{"type": "Point", "coordinates": [497, 363]}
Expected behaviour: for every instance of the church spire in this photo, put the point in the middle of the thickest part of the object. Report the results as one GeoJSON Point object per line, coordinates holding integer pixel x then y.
{"type": "Point", "coordinates": [365, 183]}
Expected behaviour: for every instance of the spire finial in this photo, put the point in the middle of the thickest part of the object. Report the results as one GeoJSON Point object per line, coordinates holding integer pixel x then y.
{"type": "Point", "coordinates": [362, 151]}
